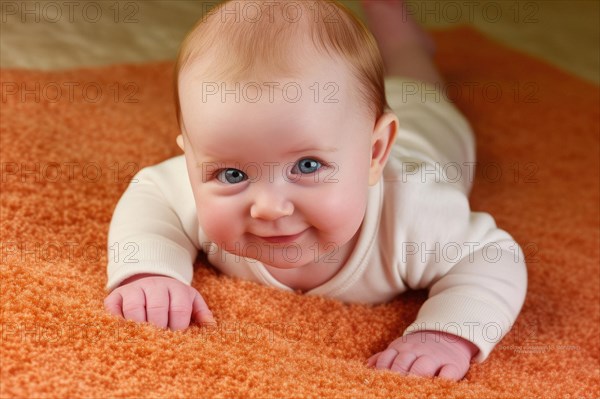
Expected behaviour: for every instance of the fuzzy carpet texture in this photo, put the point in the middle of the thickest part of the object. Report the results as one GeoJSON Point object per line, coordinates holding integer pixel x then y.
{"type": "Point", "coordinates": [71, 140]}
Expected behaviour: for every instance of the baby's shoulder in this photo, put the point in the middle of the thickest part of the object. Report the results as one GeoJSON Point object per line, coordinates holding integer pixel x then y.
{"type": "Point", "coordinates": [415, 190]}
{"type": "Point", "coordinates": [418, 174]}
{"type": "Point", "coordinates": [172, 165]}
{"type": "Point", "coordinates": [169, 176]}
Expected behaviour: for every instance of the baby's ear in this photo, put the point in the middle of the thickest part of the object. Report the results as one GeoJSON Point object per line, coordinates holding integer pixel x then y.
{"type": "Point", "coordinates": [179, 141]}
{"type": "Point", "coordinates": [384, 135]}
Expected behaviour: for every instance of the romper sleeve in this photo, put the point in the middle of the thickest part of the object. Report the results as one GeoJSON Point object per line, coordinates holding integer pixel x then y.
{"type": "Point", "coordinates": [154, 228]}
{"type": "Point", "coordinates": [474, 271]}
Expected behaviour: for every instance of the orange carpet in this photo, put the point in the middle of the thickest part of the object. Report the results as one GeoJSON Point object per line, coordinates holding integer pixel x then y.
{"type": "Point", "coordinates": [71, 140]}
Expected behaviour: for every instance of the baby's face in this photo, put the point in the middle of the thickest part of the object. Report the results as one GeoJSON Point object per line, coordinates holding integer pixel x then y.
{"type": "Point", "coordinates": [282, 179]}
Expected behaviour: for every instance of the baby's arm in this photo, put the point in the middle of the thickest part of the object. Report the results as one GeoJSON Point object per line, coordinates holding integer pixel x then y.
{"type": "Point", "coordinates": [474, 292]}
{"type": "Point", "coordinates": [484, 321]}
{"type": "Point", "coordinates": [152, 244]}
{"type": "Point", "coordinates": [476, 276]}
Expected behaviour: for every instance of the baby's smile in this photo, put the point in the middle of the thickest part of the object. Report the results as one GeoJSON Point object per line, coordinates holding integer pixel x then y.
{"type": "Point", "coordinates": [282, 239]}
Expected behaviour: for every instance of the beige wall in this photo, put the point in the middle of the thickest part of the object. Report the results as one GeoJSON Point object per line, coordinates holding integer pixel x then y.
{"type": "Point", "coordinates": [50, 35]}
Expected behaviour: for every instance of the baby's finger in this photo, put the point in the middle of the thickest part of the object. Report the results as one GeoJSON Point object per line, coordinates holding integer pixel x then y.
{"type": "Point", "coordinates": [403, 362]}
{"type": "Point", "coordinates": [200, 311]}
{"type": "Point", "coordinates": [424, 366]}
{"type": "Point", "coordinates": [372, 360]}
{"type": "Point", "coordinates": [134, 304]}
{"type": "Point", "coordinates": [180, 308]}
{"type": "Point", "coordinates": [157, 305]}
{"type": "Point", "coordinates": [113, 304]}
{"type": "Point", "coordinates": [384, 361]}
{"type": "Point", "coordinates": [451, 372]}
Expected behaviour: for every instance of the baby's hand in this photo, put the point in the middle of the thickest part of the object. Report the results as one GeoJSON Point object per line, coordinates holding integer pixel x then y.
{"type": "Point", "coordinates": [427, 354]}
{"type": "Point", "coordinates": [160, 300]}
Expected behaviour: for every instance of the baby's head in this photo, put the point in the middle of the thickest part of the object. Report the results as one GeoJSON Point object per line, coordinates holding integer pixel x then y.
{"type": "Point", "coordinates": [284, 123]}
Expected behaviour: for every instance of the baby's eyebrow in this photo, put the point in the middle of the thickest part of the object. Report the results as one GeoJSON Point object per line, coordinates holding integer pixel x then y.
{"type": "Point", "coordinates": [314, 149]}
{"type": "Point", "coordinates": [214, 161]}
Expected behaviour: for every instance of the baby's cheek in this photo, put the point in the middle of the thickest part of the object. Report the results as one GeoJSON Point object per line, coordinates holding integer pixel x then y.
{"type": "Point", "coordinates": [340, 211]}
{"type": "Point", "coordinates": [217, 220]}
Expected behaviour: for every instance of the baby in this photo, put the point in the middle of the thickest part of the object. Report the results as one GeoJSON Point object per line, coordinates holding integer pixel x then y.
{"type": "Point", "coordinates": [305, 170]}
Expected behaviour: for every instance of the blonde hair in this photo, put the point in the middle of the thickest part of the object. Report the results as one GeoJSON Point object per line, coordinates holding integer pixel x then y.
{"type": "Point", "coordinates": [238, 43]}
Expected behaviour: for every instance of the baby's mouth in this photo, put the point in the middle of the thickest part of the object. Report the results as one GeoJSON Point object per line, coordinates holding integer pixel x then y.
{"type": "Point", "coordinates": [282, 239]}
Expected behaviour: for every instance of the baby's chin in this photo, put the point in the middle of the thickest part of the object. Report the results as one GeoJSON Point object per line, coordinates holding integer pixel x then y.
{"type": "Point", "coordinates": [298, 257]}
{"type": "Point", "coordinates": [285, 258]}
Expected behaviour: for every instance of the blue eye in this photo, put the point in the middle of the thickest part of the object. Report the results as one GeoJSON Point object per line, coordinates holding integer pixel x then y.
{"type": "Point", "coordinates": [231, 176]}
{"type": "Point", "coordinates": [307, 165]}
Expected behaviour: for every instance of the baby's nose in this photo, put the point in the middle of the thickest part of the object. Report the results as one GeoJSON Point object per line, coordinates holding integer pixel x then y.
{"type": "Point", "coordinates": [271, 204]}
